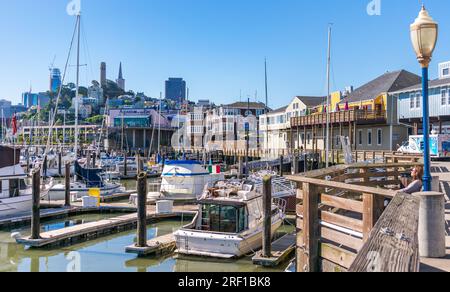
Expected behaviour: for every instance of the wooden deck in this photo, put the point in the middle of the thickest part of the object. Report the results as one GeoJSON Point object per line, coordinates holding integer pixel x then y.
{"type": "Point", "coordinates": [282, 249]}
{"type": "Point", "coordinates": [353, 116]}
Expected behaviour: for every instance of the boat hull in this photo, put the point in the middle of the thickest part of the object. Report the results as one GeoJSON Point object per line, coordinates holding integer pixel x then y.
{"type": "Point", "coordinates": [58, 193]}
{"type": "Point", "coordinates": [12, 206]}
{"type": "Point", "coordinates": [217, 245]}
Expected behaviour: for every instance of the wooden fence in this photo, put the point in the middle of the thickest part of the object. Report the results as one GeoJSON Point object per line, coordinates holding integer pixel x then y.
{"type": "Point", "coordinates": [337, 213]}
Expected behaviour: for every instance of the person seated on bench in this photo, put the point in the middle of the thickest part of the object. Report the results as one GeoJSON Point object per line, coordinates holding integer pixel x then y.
{"type": "Point", "coordinates": [417, 183]}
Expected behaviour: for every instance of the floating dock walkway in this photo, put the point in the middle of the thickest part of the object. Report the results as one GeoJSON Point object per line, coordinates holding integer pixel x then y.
{"type": "Point", "coordinates": [157, 246]}
{"type": "Point", "coordinates": [88, 231]}
{"type": "Point", "coordinates": [282, 250]}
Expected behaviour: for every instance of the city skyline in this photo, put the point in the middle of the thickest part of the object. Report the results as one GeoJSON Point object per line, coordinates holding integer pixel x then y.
{"type": "Point", "coordinates": [219, 49]}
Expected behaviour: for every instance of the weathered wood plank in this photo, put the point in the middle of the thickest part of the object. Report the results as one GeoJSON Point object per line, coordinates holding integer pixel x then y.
{"type": "Point", "coordinates": [341, 203]}
{"type": "Point", "coordinates": [309, 253]}
{"type": "Point", "coordinates": [393, 243]}
{"type": "Point", "coordinates": [342, 221]}
{"type": "Point", "coordinates": [337, 255]}
{"type": "Point", "coordinates": [341, 239]}
{"type": "Point", "coordinates": [342, 186]}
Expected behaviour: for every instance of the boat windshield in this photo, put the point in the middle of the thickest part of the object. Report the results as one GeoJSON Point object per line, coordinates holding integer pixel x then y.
{"type": "Point", "coordinates": [225, 219]}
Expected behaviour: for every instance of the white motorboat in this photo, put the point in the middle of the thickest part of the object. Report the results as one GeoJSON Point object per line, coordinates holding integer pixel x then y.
{"type": "Point", "coordinates": [229, 223]}
{"type": "Point", "coordinates": [87, 179]}
{"type": "Point", "coordinates": [53, 167]}
{"type": "Point", "coordinates": [184, 180]}
{"type": "Point", "coordinates": [15, 195]}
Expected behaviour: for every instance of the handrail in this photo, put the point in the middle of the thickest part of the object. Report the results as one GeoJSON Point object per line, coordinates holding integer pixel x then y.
{"type": "Point", "coordinates": [393, 243]}
{"type": "Point", "coordinates": [343, 186]}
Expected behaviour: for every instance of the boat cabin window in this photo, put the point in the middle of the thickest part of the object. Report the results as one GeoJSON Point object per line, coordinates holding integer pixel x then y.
{"type": "Point", "coordinates": [226, 219]}
{"type": "Point", "coordinates": [14, 188]}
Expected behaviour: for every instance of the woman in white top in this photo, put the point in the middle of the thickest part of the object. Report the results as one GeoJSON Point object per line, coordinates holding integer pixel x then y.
{"type": "Point", "coordinates": [417, 184]}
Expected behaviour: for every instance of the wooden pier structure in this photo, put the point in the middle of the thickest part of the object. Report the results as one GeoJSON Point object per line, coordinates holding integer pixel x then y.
{"type": "Point", "coordinates": [343, 224]}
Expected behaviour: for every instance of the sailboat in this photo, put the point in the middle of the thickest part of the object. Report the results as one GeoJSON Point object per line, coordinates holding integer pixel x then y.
{"type": "Point", "coordinates": [229, 223]}
{"type": "Point", "coordinates": [85, 178]}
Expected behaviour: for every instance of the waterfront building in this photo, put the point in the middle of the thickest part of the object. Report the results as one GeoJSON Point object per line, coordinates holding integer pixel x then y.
{"type": "Point", "coordinates": [176, 89]}
{"type": "Point", "coordinates": [138, 129]}
{"type": "Point", "coordinates": [410, 104]}
{"type": "Point", "coordinates": [243, 109]}
{"type": "Point", "coordinates": [275, 126]}
{"type": "Point", "coordinates": [367, 115]}
{"type": "Point", "coordinates": [444, 70]}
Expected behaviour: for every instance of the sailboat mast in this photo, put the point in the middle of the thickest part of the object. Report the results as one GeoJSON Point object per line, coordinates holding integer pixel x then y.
{"type": "Point", "coordinates": [159, 124]}
{"type": "Point", "coordinates": [327, 152]}
{"type": "Point", "coordinates": [77, 90]}
{"type": "Point", "coordinates": [267, 104]}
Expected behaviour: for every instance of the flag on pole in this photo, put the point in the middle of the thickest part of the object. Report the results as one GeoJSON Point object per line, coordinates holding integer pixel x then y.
{"type": "Point", "coordinates": [14, 125]}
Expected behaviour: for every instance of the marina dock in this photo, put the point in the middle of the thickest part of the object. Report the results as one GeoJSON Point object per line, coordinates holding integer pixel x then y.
{"type": "Point", "coordinates": [282, 249]}
{"type": "Point", "coordinates": [157, 246]}
{"type": "Point", "coordinates": [88, 231]}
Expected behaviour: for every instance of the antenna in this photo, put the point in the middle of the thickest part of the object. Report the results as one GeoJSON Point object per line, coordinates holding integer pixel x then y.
{"type": "Point", "coordinates": [52, 64]}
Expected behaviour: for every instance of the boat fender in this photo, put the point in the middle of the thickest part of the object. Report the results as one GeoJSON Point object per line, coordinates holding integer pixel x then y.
{"type": "Point", "coordinates": [16, 235]}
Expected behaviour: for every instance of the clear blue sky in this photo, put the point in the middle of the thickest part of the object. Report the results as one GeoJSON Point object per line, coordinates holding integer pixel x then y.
{"type": "Point", "coordinates": [218, 46]}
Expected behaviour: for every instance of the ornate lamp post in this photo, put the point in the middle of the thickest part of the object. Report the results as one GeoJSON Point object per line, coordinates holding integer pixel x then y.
{"type": "Point", "coordinates": [424, 34]}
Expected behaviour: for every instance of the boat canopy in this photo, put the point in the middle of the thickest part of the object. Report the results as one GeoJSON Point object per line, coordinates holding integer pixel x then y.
{"type": "Point", "coordinates": [9, 156]}
{"type": "Point", "coordinates": [223, 202]}
{"type": "Point", "coordinates": [182, 162]}
{"type": "Point", "coordinates": [91, 176]}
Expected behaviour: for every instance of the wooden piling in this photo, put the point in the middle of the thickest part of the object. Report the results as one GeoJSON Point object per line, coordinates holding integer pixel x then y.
{"type": "Point", "coordinates": [295, 168]}
{"type": "Point", "coordinates": [94, 159]}
{"type": "Point", "coordinates": [60, 163]}
{"type": "Point", "coordinates": [267, 207]}
{"type": "Point", "coordinates": [125, 165]}
{"type": "Point", "coordinates": [36, 194]}
{"type": "Point", "coordinates": [67, 185]}
{"type": "Point", "coordinates": [142, 210]}
{"type": "Point", "coordinates": [281, 165]}
{"type": "Point", "coordinates": [45, 166]}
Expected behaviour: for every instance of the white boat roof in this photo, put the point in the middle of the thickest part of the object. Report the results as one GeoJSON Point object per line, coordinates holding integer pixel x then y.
{"type": "Point", "coordinates": [235, 193]}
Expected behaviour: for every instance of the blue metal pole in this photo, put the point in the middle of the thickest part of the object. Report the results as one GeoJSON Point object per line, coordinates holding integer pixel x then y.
{"type": "Point", "coordinates": [426, 132]}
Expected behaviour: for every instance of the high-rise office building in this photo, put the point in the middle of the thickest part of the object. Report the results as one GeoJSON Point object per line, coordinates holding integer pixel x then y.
{"type": "Point", "coordinates": [120, 81]}
{"type": "Point", "coordinates": [103, 74]}
{"type": "Point", "coordinates": [176, 89]}
{"type": "Point", "coordinates": [55, 79]}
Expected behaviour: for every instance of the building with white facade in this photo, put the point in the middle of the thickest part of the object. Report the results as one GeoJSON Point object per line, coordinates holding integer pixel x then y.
{"type": "Point", "coordinates": [410, 104]}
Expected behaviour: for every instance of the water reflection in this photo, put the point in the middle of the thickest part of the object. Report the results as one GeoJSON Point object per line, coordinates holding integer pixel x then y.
{"type": "Point", "coordinates": [107, 254]}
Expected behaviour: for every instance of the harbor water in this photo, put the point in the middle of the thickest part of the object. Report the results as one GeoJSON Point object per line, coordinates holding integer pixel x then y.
{"type": "Point", "coordinates": [107, 254]}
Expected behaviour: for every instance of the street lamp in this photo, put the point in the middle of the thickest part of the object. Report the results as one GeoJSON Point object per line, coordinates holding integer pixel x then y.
{"type": "Point", "coordinates": [424, 34]}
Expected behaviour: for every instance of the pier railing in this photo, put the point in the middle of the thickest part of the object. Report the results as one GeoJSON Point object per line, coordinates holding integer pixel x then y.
{"type": "Point", "coordinates": [353, 116]}
{"type": "Point", "coordinates": [338, 209]}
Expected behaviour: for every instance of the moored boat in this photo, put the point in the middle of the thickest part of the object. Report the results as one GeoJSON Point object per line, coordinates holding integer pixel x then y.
{"type": "Point", "coordinates": [87, 179]}
{"type": "Point", "coordinates": [229, 223]}
{"type": "Point", "coordinates": [184, 180]}
{"type": "Point", "coordinates": [15, 194]}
